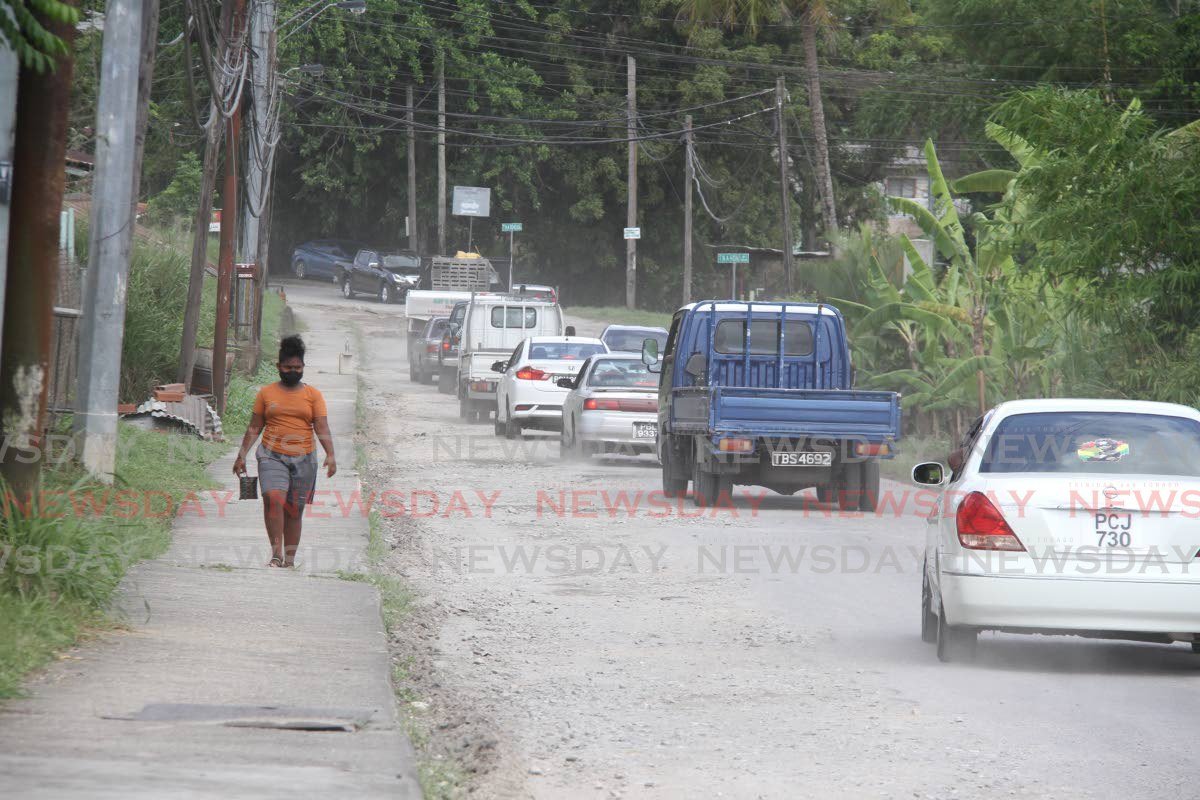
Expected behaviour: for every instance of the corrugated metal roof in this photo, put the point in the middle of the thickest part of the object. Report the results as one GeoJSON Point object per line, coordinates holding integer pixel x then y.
{"type": "Point", "coordinates": [194, 413]}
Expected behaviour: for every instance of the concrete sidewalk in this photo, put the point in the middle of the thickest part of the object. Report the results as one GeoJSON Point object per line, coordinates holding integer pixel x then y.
{"type": "Point", "coordinates": [233, 680]}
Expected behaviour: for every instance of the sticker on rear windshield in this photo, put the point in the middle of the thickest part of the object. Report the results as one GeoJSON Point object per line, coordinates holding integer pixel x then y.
{"type": "Point", "coordinates": [1103, 450]}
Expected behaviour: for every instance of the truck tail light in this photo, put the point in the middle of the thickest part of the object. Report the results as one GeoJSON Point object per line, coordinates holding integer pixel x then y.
{"type": "Point", "coordinates": [981, 526]}
{"type": "Point", "coordinates": [868, 449]}
{"type": "Point", "coordinates": [531, 374]}
{"type": "Point", "coordinates": [735, 445]}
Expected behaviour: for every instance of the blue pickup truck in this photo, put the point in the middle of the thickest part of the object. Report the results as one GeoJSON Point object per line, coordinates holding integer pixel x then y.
{"type": "Point", "coordinates": [760, 394]}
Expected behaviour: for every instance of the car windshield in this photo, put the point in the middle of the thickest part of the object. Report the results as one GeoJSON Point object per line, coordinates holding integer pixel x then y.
{"type": "Point", "coordinates": [438, 328]}
{"type": "Point", "coordinates": [404, 265]}
{"type": "Point", "coordinates": [1098, 443]}
{"type": "Point", "coordinates": [563, 351]}
{"type": "Point", "coordinates": [631, 341]}
{"type": "Point", "coordinates": [622, 373]}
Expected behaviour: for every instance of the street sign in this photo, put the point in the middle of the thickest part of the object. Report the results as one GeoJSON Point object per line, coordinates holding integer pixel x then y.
{"type": "Point", "coordinates": [633, 233]}
{"type": "Point", "coordinates": [510, 227]}
{"type": "Point", "coordinates": [472, 201]}
{"type": "Point", "coordinates": [214, 225]}
{"type": "Point", "coordinates": [733, 258]}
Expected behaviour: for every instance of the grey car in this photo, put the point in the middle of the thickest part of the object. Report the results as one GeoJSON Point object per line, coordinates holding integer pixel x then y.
{"type": "Point", "coordinates": [423, 351]}
{"type": "Point", "coordinates": [629, 338]}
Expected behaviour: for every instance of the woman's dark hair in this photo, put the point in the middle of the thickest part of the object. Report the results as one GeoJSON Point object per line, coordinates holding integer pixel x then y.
{"type": "Point", "coordinates": [291, 347]}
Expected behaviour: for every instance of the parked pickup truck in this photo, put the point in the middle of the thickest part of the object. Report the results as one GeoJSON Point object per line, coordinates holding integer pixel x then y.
{"type": "Point", "coordinates": [492, 328]}
{"type": "Point", "coordinates": [760, 394]}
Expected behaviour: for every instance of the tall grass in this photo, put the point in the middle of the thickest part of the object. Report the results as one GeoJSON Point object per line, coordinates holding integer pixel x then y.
{"type": "Point", "coordinates": [614, 315]}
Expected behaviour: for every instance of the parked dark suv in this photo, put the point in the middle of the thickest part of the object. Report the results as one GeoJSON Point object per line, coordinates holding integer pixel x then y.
{"type": "Point", "coordinates": [387, 276]}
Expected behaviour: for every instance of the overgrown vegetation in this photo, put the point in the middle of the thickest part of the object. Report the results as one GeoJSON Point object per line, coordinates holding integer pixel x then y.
{"type": "Point", "coordinates": [65, 548]}
{"type": "Point", "coordinates": [621, 316]}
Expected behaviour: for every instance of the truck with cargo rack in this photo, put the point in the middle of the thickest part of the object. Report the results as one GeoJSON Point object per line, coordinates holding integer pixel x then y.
{"type": "Point", "coordinates": [761, 394]}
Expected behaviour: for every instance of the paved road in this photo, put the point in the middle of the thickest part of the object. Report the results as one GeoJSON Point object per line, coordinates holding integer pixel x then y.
{"type": "Point", "coordinates": [573, 643]}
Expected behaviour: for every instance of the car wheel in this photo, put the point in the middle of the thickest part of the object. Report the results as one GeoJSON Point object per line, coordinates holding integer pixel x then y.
{"type": "Point", "coordinates": [512, 428]}
{"type": "Point", "coordinates": [385, 293]}
{"type": "Point", "coordinates": [497, 426]}
{"type": "Point", "coordinates": [929, 620]}
{"type": "Point", "coordinates": [347, 292]}
{"type": "Point", "coordinates": [849, 490]}
{"type": "Point", "coordinates": [300, 269]}
{"type": "Point", "coordinates": [671, 485]}
{"type": "Point", "coordinates": [955, 642]}
{"type": "Point", "coordinates": [414, 374]}
{"type": "Point", "coordinates": [446, 381]}
{"type": "Point", "coordinates": [869, 490]}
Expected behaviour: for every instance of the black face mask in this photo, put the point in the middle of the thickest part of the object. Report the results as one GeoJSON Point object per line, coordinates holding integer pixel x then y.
{"type": "Point", "coordinates": [288, 378]}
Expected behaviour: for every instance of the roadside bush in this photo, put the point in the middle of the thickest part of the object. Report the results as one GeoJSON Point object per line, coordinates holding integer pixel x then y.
{"type": "Point", "coordinates": [178, 199]}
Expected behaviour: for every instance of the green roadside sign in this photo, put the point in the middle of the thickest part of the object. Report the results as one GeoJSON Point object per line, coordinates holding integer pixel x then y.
{"type": "Point", "coordinates": [733, 258]}
{"type": "Point", "coordinates": [510, 227]}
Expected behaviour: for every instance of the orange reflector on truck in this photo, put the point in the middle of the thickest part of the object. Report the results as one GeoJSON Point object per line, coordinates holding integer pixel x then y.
{"type": "Point", "coordinates": [735, 445]}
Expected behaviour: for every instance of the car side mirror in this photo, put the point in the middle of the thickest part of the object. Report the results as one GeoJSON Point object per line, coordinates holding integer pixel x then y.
{"type": "Point", "coordinates": [649, 352]}
{"type": "Point", "coordinates": [499, 366]}
{"type": "Point", "coordinates": [565, 383]}
{"type": "Point", "coordinates": [930, 473]}
{"type": "Point", "coordinates": [956, 460]}
{"type": "Point", "coordinates": [696, 365]}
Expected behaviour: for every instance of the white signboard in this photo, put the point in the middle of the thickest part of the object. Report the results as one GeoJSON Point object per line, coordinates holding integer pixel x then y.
{"type": "Point", "coordinates": [472, 201]}
{"type": "Point", "coordinates": [633, 233]}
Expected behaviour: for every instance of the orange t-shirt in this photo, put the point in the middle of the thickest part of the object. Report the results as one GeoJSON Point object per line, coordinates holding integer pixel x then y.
{"type": "Point", "coordinates": [288, 415]}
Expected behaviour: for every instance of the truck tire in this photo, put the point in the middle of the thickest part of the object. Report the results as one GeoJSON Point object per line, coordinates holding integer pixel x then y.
{"type": "Point", "coordinates": [849, 490]}
{"type": "Point", "coordinates": [672, 485]}
{"type": "Point", "coordinates": [825, 494]}
{"type": "Point", "coordinates": [869, 501]}
{"type": "Point", "coordinates": [708, 487]}
{"type": "Point", "coordinates": [464, 408]}
{"type": "Point", "coordinates": [446, 381]}
{"type": "Point", "coordinates": [413, 374]}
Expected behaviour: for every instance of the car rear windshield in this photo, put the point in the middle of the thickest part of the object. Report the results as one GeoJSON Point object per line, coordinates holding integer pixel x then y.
{"type": "Point", "coordinates": [631, 341]}
{"type": "Point", "coordinates": [405, 265]}
{"type": "Point", "coordinates": [563, 351]}
{"type": "Point", "coordinates": [620, 373]}
{"type": "Point", "coordinates": [1104, 443]}
{"type": "Point", "coordinates": [511, 316]}
{"type": "Point", "coordinates": [764, 337]}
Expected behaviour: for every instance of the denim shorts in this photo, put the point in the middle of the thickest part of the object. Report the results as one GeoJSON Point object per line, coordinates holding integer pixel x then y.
{"type": "Point", "coordinates": [296, 475]}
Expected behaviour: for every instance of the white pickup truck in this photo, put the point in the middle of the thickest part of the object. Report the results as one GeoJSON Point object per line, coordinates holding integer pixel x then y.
{"type": "Point", "coordinates": [492, 329]}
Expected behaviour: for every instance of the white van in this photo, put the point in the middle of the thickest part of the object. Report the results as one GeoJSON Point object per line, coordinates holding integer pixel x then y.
{"type": "Point", "coordinates": [491, 331]}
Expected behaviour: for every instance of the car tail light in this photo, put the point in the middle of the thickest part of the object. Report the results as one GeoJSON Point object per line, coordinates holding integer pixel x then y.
{"type": "Point", "coordinates": [596, 404]}
{"type": "Point", "coordinates": [445, 344]}
{"type": "Point", "coordinates": [981, 526]}
{"type": "Point", "coordinates": [531, 374]}
{"type": "Point", "coordinates": [866, 449]}
{"type": "Point", "coordinates": [735, 445]}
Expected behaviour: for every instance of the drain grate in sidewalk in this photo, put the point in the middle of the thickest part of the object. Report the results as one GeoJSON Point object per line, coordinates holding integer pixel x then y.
{"type": "Point", "coordinates": [288, 718]}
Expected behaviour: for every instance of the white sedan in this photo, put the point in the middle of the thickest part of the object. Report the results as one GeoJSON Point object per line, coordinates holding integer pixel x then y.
{"type": "Point", "coordinates": [1066, 517]}
{"type": "Point", "coordinates": [528, 394]}
{"type": "Point", "coordinates": [613, 406]}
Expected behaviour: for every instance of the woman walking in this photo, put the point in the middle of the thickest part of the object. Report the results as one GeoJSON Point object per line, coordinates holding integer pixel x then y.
{"type": "Point", "coordinates": [287, 414]}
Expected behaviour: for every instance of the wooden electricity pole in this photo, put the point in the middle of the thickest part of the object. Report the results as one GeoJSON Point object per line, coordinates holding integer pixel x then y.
{"type": "Point", "coordinates": [413, 241]}
{"type": "Point", "coordinates": [631, 216]}
{"type": "Point", "coordinates": [785, 200]}
{"type": "Point", "coordinates": [441, 157]}
{"type": "Point", "coordinates": [689, 172]}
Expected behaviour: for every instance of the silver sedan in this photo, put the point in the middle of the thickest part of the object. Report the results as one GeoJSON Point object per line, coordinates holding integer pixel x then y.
{"type": "Point", "coordinates": [612, 408]}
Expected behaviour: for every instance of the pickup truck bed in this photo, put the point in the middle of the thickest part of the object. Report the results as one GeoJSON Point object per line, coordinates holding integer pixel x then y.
{"type": "Point", "coordinates": [745, 411]}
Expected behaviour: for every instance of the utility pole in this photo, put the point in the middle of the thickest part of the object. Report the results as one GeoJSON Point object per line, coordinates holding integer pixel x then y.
{"type": "Point", "coordinates": [785, 200]}
{"type": "Point", "coordinates": [631, 216]}
{"type": "Point", "coordinates": [195, 293]}
{"type": "Point", "coordinates": [229, 200]}
{"type": "Point", "coordinates": [39, 146]}
{"type": "Point", "coordinates": [689, 176]}
{"type": "Point", "coordinates": [9, 68]}
{"type": "Point", "coordinates": [145, 81]}
{"type": "Point", "coordinates": [262, 162]}
{"type": "Point", "coordinates": [102, 323]}
{"type": "Point", "coordinates": [441, 159]}
{"type": "Point", "coordinates": [414, 242]}
{"type": "Point", "coordinates": [208, 179]}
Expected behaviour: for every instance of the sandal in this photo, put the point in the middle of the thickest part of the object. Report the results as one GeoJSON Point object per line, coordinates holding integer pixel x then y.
{"type": "Point", "coordinates": [275, 562]}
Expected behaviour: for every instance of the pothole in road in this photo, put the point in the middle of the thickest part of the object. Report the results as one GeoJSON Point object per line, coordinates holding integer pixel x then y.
{"type": "Point", "coordinates": [287, 718]}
